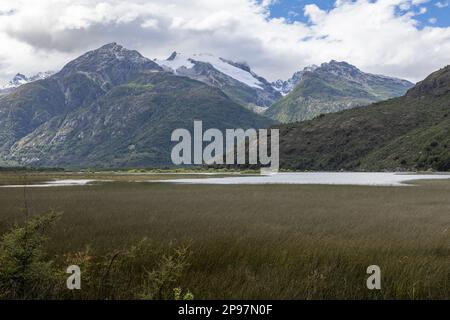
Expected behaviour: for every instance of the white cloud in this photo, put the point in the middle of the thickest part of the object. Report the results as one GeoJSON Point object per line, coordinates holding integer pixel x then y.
{"type": "Point", "coordinates": [44, 34]}
{"type": "Point", "coordinates": [423, 10]}
{"type": "Point", "coordinates": [441, 5]}
{"type": "Point", "coordinates": [314, 13]}
{"type": "Point", "coordinates": [432, 20]}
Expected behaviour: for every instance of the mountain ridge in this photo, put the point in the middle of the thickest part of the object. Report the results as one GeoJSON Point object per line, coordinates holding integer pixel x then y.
{"type": "Point", "coordinates": [112, 107]}
{"type": "Point", "coordinates": [236, 79]}
{"type": "Point", "coordinates": [333, 87]}
{"type": "Point", "coordinates": [109, 107]}
{"type": "Point", "coordinates": [21, 79]}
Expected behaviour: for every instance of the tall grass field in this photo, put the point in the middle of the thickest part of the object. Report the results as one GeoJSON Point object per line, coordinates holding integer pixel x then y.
{"type": "Point", "coordinates": [136, 239]}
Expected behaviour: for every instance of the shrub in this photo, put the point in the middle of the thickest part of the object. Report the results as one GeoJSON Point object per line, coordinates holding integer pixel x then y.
{"type": "Point", "coordinates": [161, 284]}
{"type": "Point", "coordinates": [25, 270]}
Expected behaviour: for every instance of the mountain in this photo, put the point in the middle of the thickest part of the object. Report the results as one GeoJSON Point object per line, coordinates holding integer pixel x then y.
{"type": "Point", "coordinates": [111, 107]}
{"type": "Point", "coordinates": [406, 133]}
{"type": "Point", "coordinates": [332, 87]}
{"type": "Point", "coordinates": [79, 83]}
{"type": "Point", "coordinates": [20, 79]}
{"type": "Point", "coordinates": [286, 86]}
{"type": "Point", "coordinates": [237, 80]}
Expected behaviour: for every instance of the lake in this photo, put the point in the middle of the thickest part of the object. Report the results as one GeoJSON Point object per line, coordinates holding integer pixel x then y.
{"type": "Point", "coordinates": [311, 178]}
{"type": "Point", "coordinates": [331, 178]}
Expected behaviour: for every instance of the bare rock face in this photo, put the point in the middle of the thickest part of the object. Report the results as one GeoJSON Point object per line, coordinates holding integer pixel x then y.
{"type": "Point", "coordinates": [109, 65]}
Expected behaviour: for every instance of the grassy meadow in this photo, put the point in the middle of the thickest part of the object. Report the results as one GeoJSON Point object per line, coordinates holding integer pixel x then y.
{"type": "Point", "coordinates": [249, 241]}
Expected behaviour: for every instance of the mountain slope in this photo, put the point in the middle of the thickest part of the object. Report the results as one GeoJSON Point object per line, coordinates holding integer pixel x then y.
{"type": "Point", "coordinates": [79, 83]}
{"type": "Point", "coordinates": [237, 80]}
{"type": "Point", "coordinates": [333, 87]}
{"type": "Point", "coordinates": [110, 108]}
{"type": "Point", "coordinates": [131, 125]}
{"type": "Point", "coordinates": [407, 133]}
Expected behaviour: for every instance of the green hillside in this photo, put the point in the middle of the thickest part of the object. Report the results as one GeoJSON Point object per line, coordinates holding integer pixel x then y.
{"type": "Point", "coordinates": [333, 87]}
{"type": "Point", "coordinates": [407, 133]}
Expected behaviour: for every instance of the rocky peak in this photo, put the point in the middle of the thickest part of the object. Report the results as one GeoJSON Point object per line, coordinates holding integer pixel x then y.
{"type": "Point", "coordinates": [108, 55]}
{"type": "Point", "coordinates": [340, 68]}
{"type": "Point", "coordinates": [172, 56]}
{"type": "Point", "coordinates": [20, 79]}
{"type": "Point", "coordinates": [241, 65]}
{"type": "Point", "coordinates": [111, 46]}
{"type": "Point", "coordinates": [284, 87]}
{"type": "Point", "coordinates": [109, 64]}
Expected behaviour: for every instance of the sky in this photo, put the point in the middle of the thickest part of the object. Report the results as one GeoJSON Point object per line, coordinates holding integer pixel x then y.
{"type": "Point", "coordinates": [402, 38]}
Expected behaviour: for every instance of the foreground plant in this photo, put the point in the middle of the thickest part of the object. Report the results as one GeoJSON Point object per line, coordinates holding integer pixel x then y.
{"type": "Point", "coordinates": [25, 270]}
{"type": "Point", "coordinates": [141, 271]}
{"type": "Point", "coordinates": [161, 284]}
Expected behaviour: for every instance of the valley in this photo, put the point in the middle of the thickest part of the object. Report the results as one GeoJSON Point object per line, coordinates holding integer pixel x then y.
{"type": "Point", "coordinates": [364, 161]}
{"type": "Point", "coordinates": [276, 242]}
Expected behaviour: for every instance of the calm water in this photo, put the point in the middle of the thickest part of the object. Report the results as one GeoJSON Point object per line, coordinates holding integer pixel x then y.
{"type": "Point", "coordinates": [56, 183]}
{"type": "Point", "coordinates": [332, 178]}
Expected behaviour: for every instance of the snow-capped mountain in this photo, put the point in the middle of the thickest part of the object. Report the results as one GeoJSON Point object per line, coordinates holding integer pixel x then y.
{"type": "Point", "coordinates": [286, 86]}
{"type": "Point", "coordinates": [236, 79]}
{"type": "Point", "coordinates": [178, 63]}
{"type": "Point", "coordinates": [20, 79]}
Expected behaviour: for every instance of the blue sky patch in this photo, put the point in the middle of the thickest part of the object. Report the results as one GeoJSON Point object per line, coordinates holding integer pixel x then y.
{"type": "Point", "coordinates": [434, 13]}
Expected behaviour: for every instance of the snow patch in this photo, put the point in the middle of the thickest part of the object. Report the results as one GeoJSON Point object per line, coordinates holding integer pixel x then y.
{"type": "Point", "coordinates": [20, 79]}
{"type": "Point", "coordinates": [178, 61]}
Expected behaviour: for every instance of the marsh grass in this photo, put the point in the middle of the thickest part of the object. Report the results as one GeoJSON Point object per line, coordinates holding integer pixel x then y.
{"type": "Point", "coordinates": [27, 271]}
{"type": "Point", "coordinates": [263, 241]}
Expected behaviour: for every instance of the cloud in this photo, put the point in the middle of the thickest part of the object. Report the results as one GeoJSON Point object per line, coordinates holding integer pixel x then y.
{"type": "Point", "coordinates": [314, 13]}
{"type": "Point", "coordinates": [373, 35]}
{"type": "Point", "coordinates": [441, 5]}
{"type": "Point", "coordinates": [423, 10]}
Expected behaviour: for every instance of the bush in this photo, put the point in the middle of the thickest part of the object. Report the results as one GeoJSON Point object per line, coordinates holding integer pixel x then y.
{"type": "Point", "coordinates": [25, 271]}
{"type": "Point", "coordinates": [136, 273]}
{"type": "Point", "coordinates": [161, 284]}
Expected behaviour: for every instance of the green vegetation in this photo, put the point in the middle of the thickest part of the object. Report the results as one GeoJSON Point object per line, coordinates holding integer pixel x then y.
{"type": "Point", "coordinates": [24, 270]}
{"type": "Point", "coordinates": [138, 86]}
{"type": "Point", "coordinates": [132, 126]}
{"type": "Point", "coordinates": [314, 96]}
{"type": "Point", "coordinates": [253, 242]}
{"type": "Point", "coordinates": [331, 88]}
{"type": "Point", "coordinates": [407, 133]}
{"type": "Point", "coordinates": [27, 271]}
